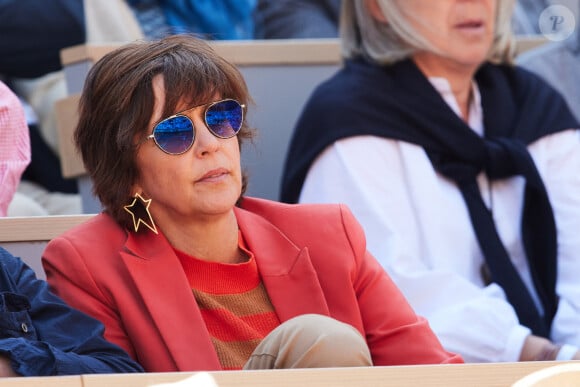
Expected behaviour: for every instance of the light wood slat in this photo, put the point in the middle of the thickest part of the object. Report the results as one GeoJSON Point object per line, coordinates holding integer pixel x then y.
{"type": "Point", "coordinates": [263, 52]}
{"type": "Point", "coordinates": [488, 374]}
{"type": "Point", "coordinates": [280, 52]}
{"type": "Point", "coordinates": [529, 42]}
{"type": "Point", "coordinates": [37, 228]}
{"type": "Point", "coordinates": [71, 163]}
{"type": "Point", "coordinates": [52, 381]}
{"type": "Point", "coordinates": [240, 52]}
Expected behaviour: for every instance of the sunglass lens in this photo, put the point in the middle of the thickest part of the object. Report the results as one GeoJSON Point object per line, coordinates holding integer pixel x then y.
{"type": "Point", "coordinates": [224, 118]}
{"type": "Point", "coordinates": [174, 135]}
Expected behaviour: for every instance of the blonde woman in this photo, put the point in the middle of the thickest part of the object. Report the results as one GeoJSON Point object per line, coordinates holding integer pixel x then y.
{"type": "Point", "coordinates": [462, 169]}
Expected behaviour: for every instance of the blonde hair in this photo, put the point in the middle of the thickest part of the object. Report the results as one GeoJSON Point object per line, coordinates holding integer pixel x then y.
{"type": "Point", "coordinates": [385, 43]}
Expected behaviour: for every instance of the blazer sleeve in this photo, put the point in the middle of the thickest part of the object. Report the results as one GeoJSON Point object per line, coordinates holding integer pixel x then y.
{"type": "Point", "coordinates": [44, 336]}
{"type": "Point", "coordinates": [394, 333]}
{"type": "Point", "coordinates": [68, 274]}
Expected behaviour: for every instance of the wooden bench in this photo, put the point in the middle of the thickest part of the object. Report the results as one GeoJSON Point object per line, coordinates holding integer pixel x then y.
{"type": "Point", "coordinates": [48, 381]}
{"type": "Point", "coordinates": [529, 42]}
{"type": "Point", "coordinates": [460, 375]}
{"type": "Point", "coordinates": [488, 375]}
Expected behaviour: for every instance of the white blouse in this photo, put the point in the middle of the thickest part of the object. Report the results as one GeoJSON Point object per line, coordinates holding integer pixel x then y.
{"type": "Point", "coordinates": [418, 227]}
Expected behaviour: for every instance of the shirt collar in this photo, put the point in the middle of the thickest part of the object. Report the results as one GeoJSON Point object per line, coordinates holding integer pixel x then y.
{"type": "Point", "coordinates": [475, 120]}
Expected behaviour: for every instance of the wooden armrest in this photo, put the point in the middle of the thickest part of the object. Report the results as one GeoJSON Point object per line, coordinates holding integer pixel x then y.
{"type": "Point", "coordinates": [67, 118]}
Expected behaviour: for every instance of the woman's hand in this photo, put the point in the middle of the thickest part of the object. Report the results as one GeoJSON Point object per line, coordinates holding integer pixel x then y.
{"type": "Point", "coordinates": [540, 349]}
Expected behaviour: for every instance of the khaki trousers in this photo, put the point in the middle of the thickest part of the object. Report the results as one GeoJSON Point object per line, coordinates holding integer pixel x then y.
{"type": "Point", "coordinates": [311, 341]}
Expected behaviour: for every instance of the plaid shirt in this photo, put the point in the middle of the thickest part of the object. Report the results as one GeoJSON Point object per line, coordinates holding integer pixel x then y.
{"type": "Point", "coordinates": [14, 145]}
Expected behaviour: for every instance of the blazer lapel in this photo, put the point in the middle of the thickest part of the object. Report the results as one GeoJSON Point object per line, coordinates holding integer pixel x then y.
{"type": "Point", "coordinates": [161, 282]}
{"type": "Point", "coordinates": [286, 269]}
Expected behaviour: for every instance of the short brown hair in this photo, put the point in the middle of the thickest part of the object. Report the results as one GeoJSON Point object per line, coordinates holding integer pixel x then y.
{"type": "Point", "coordinates": [117, 102]}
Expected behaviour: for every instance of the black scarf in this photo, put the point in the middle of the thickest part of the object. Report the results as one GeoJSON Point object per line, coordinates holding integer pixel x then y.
{"type": "Point", "coordinates": [399, 102]}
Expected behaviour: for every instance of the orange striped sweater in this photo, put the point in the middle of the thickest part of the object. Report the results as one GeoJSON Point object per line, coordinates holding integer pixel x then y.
{"type": "Point", "coordinates": [234, 304]}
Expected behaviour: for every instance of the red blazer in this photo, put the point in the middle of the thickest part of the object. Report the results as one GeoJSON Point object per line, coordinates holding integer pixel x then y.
{"type": "Point", "coordinates": [312, 259]}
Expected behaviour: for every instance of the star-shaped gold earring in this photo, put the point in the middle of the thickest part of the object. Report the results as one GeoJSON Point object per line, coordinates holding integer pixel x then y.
{"type": "Point", "coordinates": [137, 220]}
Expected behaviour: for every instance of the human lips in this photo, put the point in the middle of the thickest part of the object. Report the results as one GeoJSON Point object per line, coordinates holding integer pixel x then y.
{"type": "Point", "coordinates": [471, 26]}
{"type": "Point", "coordinates": [214, 175]}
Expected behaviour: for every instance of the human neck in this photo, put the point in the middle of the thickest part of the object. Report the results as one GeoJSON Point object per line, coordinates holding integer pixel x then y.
{"type": "Point", "coordinates": [460, 78]}
{"type": "Point", "coordinates": [213, 239]}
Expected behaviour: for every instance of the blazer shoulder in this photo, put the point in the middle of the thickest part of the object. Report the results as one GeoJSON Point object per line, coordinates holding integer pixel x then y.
{"type": "Point", "coordinates": [309, 219]}
{"type": "Point", "coordinates": [97, 231]}
{"type": "Point", "coordinates": [274, 209]}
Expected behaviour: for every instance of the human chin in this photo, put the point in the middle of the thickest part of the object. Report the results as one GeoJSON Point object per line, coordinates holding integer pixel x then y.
{"type": "Point", "coordinates": [226, 192]}
{"type": "Point", "coordinates": [221, 202]}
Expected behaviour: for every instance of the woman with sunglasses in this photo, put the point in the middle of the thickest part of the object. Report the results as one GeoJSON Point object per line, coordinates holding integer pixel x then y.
{"type": "Point", "coordinates": [462, 169]}
{"type": "Point", "coordinates": [185, 272]}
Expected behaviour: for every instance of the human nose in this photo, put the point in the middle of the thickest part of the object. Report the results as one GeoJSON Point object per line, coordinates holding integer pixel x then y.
{"type": "Point", "coordinates": [205, 142]}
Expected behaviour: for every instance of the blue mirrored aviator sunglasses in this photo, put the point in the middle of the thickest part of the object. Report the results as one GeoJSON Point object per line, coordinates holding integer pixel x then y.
{"type": "Point", "coordinates": [175, 135]}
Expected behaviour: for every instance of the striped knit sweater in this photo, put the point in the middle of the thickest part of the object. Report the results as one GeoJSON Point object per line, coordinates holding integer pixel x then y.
{"type": "Point", "coordinates": [234, 304]}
